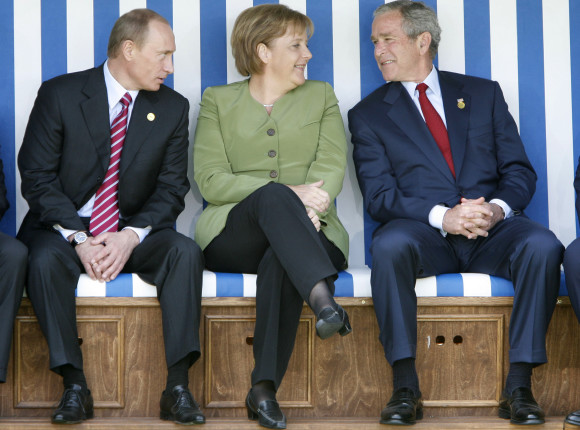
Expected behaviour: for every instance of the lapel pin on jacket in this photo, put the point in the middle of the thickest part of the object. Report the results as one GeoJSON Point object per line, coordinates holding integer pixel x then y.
{"type": "Point", "coordinates": [151, 116]}
{"type": "Point", "coordinates": [460, 103]}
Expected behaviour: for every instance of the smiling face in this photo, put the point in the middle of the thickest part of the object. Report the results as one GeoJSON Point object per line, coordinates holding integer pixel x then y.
{"type": "Point", "coordinates": [400, 58]}
{"type": "Point", "coordinates": [151, 63]}
{"type": "Point", "coordinates": [286, 59]}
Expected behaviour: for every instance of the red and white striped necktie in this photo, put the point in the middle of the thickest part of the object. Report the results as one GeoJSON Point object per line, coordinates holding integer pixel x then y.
{"type": "Point", "coordinates": [105, 216]}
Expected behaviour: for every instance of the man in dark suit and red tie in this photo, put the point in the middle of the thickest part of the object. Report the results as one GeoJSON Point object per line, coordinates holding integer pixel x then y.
{"type": "Point", "coordinates": [104, 172]}
{"type": "Point", "coordinates": [443, 170]}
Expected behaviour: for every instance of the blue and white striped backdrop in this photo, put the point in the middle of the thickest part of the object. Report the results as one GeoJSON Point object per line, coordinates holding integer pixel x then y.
{"type": "Point", "coordinates": [526, 45]}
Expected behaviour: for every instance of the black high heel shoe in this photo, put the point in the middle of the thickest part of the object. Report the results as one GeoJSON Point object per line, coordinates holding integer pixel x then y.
{"type": "Point", "coordinates": [267, 413]}
{"type": "Point", "coordinates": [330, 321]}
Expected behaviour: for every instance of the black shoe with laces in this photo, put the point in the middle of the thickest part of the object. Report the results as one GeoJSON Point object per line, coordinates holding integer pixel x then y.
{"type": "Point", "coordinates": [75, 405]}
{"type": "Point", "coordinates": [178, 405]}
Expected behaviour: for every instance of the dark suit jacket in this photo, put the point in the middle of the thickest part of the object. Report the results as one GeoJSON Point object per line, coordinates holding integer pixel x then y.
{"type": "Point", "coordinates": [400, 169]}
{"type": "Point", "coordinates": [4, 205]}
{"type": "Point", "coordinates": [66, 148]}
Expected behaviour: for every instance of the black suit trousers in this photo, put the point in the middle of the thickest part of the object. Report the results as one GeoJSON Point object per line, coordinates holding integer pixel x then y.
{"type": "Point", "coordinates": [572, 271]}
{"type": "Point", "coordinates": [269, 233]}
{"type": "Point", "coordinates": [13, 257]}
{"type": "Point", "coordinates": [517, 249]}
{"type": "Point", "coordinates": [165, 258]}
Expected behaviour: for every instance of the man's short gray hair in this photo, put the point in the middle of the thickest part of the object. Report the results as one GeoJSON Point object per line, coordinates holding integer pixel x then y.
{"type": "Point", "coordinates": [417, 18]}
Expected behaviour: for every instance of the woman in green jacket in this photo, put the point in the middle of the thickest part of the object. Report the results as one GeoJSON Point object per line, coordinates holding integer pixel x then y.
{"type": "Point", "coordinates": [269, 158]}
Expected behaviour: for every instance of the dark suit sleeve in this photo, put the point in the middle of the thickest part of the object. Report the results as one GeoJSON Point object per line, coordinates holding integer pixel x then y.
{"type": "Point", "coordinates": [3, 200]}
{"type": "Point", "coordinates": [39, 163]}
{"type": "Point", "coordinates": [384, 201]}
{"type": "Point", "coordinates": [166, 202]}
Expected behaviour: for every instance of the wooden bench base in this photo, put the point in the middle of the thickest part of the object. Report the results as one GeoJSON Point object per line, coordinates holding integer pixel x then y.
{"type": "Point", "coordinates": [462, 362]}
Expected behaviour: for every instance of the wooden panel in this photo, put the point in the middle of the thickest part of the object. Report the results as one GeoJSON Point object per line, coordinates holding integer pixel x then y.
{"type": "Point", "coordinates": [229, 362]}
{"type": "Point", "coordinates": [460, 359]}
{"type": "Point", "coordinates": [102, 339]}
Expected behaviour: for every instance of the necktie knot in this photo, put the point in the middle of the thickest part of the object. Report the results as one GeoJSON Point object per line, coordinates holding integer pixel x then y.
{"type": "Point", "coordinates": [126, 100]}
{"type": "Point", "coordinates": [422, 87]}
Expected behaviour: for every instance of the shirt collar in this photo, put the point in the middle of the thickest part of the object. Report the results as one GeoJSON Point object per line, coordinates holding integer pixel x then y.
{"type": "Point", "coordinates": [432, 81]}
{"type": "Point", "coordinates": [115, 91]}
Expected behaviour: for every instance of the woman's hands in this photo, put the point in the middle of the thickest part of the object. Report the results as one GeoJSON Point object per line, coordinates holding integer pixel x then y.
{"type": "Point", "coordinates": [314, 198]}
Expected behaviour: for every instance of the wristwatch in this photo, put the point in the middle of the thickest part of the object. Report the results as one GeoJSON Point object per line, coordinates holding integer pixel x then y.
{"type": "Point", "coordinates": [79, 237]}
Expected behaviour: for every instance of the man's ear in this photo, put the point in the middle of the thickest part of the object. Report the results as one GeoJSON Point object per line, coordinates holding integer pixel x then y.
{"type": "Point", "coordinates": [424, 41]}
{"type": "Point", "coordinates": [128, 49]}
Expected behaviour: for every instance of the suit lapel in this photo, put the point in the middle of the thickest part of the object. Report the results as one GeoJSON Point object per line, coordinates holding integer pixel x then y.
{"type": "Point", "coordinates": [457, 117]}
{"type": "Point", "coordinates": [143, 119]}
{"type": "Point", "coordinates": [404, 113]}
{"type": "Point", "coordinates": [96, 114]}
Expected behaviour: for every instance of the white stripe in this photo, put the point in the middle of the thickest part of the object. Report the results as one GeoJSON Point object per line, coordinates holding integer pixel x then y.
{"type": "Point", "coordinates": [128, 5]}
{"type": "Point", "coordinates": [186, 23]}
{"type": "Point", "coordinates": [86, 287]}
{"type": "Point", "coordinates": [142, 288]}
{"type": "Point", "coordinates": [476, 285]}
{"type": "Point", "coordinates": [559, 149]}
{"type": "Point", "coordinates": [80, 30]}
{"type": "Point", "coordinates": [452, 46]}
{"type": "Point", "coordinates": [426, 287]}
{"type": "Point", "coordinates": [504, 51]}
{"type": "Point", "coordinates": [249, 284]}
{"type": "Point", "coordinates": [361, 282]}
{"type": "Point", "coordinates": [299, 5]}
{"type": "Point", "coordinates": [346, 66]}
{"type": "Point", "coordinates": [233, 9]}
{"type": "Point", "coordinates": [209, 284]}
{"type": "Point", "coordinates": [27, 78]}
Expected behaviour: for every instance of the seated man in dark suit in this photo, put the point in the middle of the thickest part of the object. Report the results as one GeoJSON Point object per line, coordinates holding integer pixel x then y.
{"type": "Point", "coordinates": [572, 270]}
{"type": "Point", "coordinates": [441, 166]}
{"type": "Point", "coordinates": [105, 155]}
{"type": "Point", "coordinates": [13, 256]}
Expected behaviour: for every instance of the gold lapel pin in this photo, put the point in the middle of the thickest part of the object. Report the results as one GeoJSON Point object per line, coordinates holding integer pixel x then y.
{"type": "Point", "coordinates": [151, 116]}
{"type": "Point", "coordinates": [460, 103]}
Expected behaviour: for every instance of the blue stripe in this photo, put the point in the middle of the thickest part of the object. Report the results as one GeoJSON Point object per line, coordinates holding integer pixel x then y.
{"type": "Point", "coordinates": [165, 9]}
{"type": "Point", "coordinates": [532, 100]}
{"type": "Point", "coordinates": [106, 13]}
{"type": "Point", "coordinates": [501, 287]}
{"type": "Point", "coordinates": [449, 285]}
{"type": "Point", "coordinates": [213, 43]}
{"type": "Point", "coordinates": [321, 45]}
{"type": "Point", "coordinates": [370, 75]}
{"type": "Point", "coordinates": [259, 2]}
{"type": "Point", "coordinates": [575, 72]}
{"type": "Point", "coordinates": [477, 38]}
{"type": "Point", "coordinates": [53, 38]}
{"type": "Point", "coordinates": [122, 286]}
{"type": "Point", "coordinates": [8, 222]}
{"type": "Point", "coordinates": [344, 285]}
{"type": "Point", "coordinates": [229, 284]}
{"type": "Point", "coordinates": [563, 291]}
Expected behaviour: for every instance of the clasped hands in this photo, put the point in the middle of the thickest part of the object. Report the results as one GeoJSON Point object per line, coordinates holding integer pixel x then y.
{"type": "Point", "coordinates": [315, 199]}
{"type": "Point", "coordinates": [472, 218]}
{"type": "Point", "coordinates": [105, 255]}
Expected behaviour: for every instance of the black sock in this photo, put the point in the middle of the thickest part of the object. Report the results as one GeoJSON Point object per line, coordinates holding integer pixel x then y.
{"type": "Point", "coordinates": [320, 298]}
{"type": "Point", "coordinates": [263, 390]}
{"type": "Point", "coordinates": [72, 375]}
{"type": "Point", "coordinates": [178, 374]}
{"type": "Point", "coordinates": [405, 375]}
{"type": "Point", "coordinates": [519, 375]}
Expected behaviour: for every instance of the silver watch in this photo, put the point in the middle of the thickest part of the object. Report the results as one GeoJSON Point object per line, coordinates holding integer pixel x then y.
{"type": "Point", "coordinates": [79, 237]}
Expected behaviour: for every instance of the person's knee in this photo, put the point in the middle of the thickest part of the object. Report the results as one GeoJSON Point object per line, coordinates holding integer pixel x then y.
{"type": "Point", "coordinates": [14, 254]}
{"type": "Point", "coordinates": [545, 246]}
{"type": "Point", "coordinates": [572, 258]}
{"type": "Point", "coordinates": [391, 244]}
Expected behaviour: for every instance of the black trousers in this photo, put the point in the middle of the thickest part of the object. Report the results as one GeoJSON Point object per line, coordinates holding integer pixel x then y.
{"type": "Point", "coordinates": [572, 271]}
{"type": "Point", "coordinates": [165, 258]}
{"type": "Point", "coordinates": [13, 257]}
{"type": "Point", "coordinates": [269, 233]}
{"type": "Point", "coordinates": [517, 249]}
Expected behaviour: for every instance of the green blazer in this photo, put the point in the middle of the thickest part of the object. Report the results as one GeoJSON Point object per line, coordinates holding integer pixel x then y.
{"type": "Point", "coordinates": [239, 148]}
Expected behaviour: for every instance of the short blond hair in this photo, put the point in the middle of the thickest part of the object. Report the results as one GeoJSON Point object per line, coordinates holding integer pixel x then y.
{"type": "Point", "coordinates": [134, 26]}
{"type": "Point", "coordinates": [262, 24]}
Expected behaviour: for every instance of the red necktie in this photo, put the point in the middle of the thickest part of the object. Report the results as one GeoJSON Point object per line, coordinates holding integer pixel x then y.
{"type": "Point", "coordinates": [105, 216]}
{"type": "Point", "coordinates": [436, 126]}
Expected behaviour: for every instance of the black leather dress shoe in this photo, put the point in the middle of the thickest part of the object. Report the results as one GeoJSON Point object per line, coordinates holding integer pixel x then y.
{"type": "Point", "coordinates": [74, 407]}
{"type": "Point", "coordinates": [404, 408]}
{"type": "Point", "coordinates": [330, 321]}
{"type": "Point", "coordinates": [177, 405]}
{"type": "Point", "coordinates": [573, 418]}
{"type": "Point", "coordinates": [267, 412]}
{"type": "Point", "coordinates": [521, 407]}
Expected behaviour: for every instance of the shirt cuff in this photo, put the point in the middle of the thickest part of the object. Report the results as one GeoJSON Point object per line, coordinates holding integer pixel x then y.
{"type": "Point", "coordinates": [436, 217]}
{"type": "Point", "coordinates": [141, 232]}
{"type": "Point", "coordinates": [63, 231]}
{"type": "Point", "coordinates": [506, 208]}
